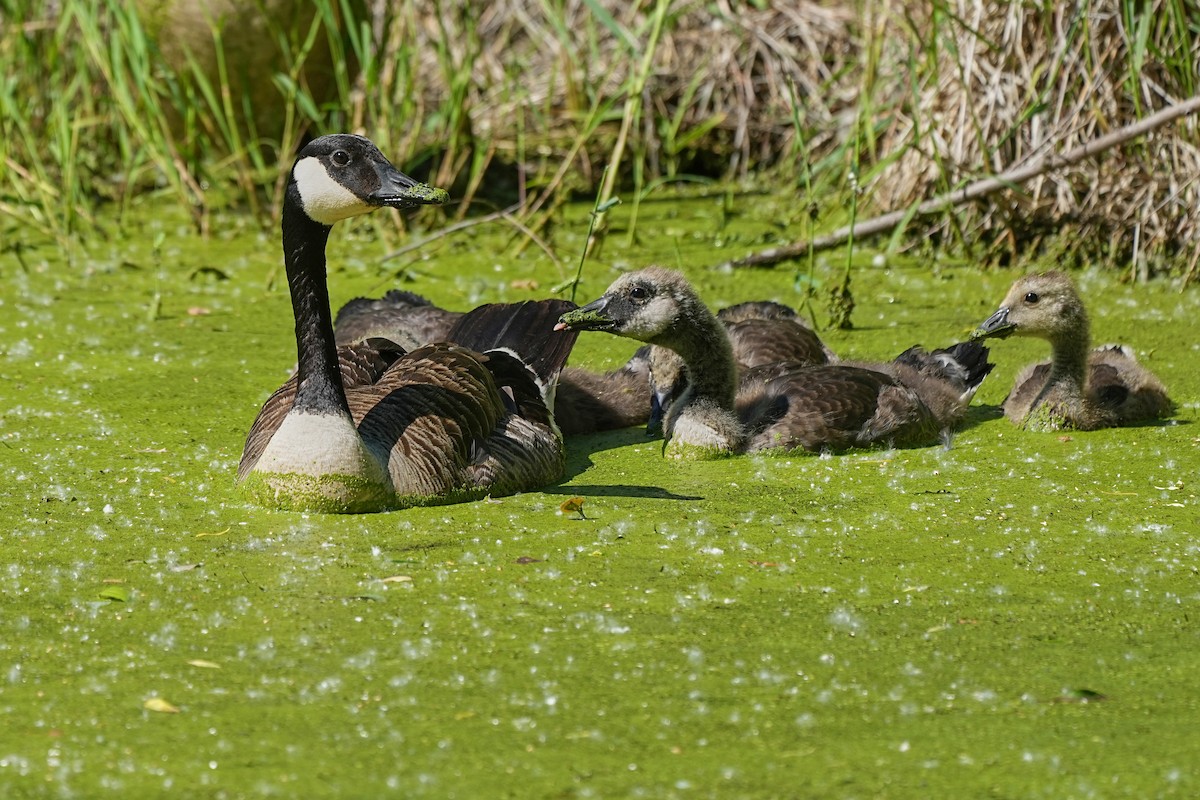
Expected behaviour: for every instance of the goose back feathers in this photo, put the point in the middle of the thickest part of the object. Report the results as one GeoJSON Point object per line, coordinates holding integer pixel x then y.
{"type": "Point", "coordinates": [765, 332]}
{"type": "Point", "coordinates": [404, 317]}
{"type": "Point", "coordinates": [1078, 388]}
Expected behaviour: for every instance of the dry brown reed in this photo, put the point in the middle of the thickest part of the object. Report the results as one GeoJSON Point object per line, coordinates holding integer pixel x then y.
{"type": "Point", "coordinates": [947, 92]}
{"type": "Point", "coordinates": [915, 98]}
{"type": "Point", "coordinates": [1015, 80]}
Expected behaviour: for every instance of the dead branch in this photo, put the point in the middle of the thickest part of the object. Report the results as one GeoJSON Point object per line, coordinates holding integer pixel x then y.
{"type": "Point", "coordinates": [1038, 165]}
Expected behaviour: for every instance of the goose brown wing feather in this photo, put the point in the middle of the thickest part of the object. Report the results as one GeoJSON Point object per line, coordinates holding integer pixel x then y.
{"type": "Point", "coordinates": [757, 341]}
{"type": "Point", "coordinates": [1106, 388]}
{"type": "Point", "coordinates": [1119, 383]}
{"type": "Point", "coordinates": [452, 419]}
{"type": "Point", "coordinates": [515, 380]}
{"type": "Point", "coordinates": [1028, 385]}
{"type": "Point", "coordinates": [526, 329]}
{"type": "Point", "coordinates": [429, 414]}
{"type": "Point", "coordinates": [832, 407]}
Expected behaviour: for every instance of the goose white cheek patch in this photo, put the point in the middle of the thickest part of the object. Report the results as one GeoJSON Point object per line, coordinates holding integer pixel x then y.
{"type": "Point", "coordinates": [325, 200]}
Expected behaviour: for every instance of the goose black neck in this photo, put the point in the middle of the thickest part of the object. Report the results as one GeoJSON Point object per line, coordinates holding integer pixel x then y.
{"type": "Point", "coordinates": [319, 381]}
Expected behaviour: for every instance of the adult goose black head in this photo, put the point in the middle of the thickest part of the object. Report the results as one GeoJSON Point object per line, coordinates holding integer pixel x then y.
{"type": "Point", "coordinates": [1079, 387]}
{"type": "Point", "coordinates": [370, 427]}
{"type": "Point", "coordinates": [779, 405]}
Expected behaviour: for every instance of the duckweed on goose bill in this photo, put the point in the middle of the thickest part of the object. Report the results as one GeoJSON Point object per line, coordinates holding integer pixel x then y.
{"type": "Point", "coordinates": [1000, 617]}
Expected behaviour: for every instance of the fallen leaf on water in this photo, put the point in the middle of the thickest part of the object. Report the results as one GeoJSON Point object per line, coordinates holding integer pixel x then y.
{"type": "Point", "coordinates": [528, 560]}
{"type": "Point", "coordinates": [198, 311]}
{"type": "Point", "coordinates": [397, 579]}
{"type": "Point", "coordinates": [524, 283]}
{"type": "Point", "coordinates": [160, 705]}
{"type": "Point", "coordinates": [116, 593]}
{"type": "Point", "coordinates": [572, 505]}
{"type": "Point", "coordinates": [200, 662]}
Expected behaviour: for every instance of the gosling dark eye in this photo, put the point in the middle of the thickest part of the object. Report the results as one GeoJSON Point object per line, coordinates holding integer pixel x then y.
{"type": "Point", "coordinates": [340, 158]}
{"type": "Point", "coordinates": [639, 293]}
{"type": "Point", "coordinates": [1032, 298]}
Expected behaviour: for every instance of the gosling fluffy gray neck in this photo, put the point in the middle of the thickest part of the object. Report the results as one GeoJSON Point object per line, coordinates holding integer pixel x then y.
{"type": "Point", "coordinates": [1069, 361]}
{"type": "Point", "coordinates": [700, 340]}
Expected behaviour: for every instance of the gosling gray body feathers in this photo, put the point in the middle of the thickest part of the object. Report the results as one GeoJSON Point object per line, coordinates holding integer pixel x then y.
{"type": "Point", "coordinates": [775, 405]}
{"type": "Point", "coordinates": [1078, 388]}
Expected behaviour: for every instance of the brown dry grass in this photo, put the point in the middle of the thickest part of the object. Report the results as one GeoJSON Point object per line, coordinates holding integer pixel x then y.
{"type": "Point", "coordinates": [920, 98]}
{"type": "Point", "coordinates": [1015, 81]}
{"type": "Point", "coordinates": [946, 93]}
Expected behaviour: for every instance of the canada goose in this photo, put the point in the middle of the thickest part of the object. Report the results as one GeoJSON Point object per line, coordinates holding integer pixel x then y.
{"type": "Point", "coordinates": [1076, 388]}
{"type": "Point", "coordinates": [372, 427]}
{"type": "Point", "coordinates": [779, 405]}
{"type": "Point", "coordinates": [585, 402]}
{"type": "Point", "coordinates": [760, 332]}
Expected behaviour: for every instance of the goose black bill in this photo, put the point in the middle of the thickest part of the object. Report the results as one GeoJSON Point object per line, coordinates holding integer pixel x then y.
{"type": "Point", "coordinates": [996, 326]}
{"type": "Point", "coordinates": [397, 190]}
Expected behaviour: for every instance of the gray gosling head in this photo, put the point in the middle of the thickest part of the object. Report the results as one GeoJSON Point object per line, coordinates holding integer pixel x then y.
{"type": "Point", "coordinates": [1044, 305]}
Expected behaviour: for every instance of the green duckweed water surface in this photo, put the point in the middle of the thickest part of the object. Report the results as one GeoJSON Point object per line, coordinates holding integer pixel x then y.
{"type": "Point", "coordinates": [1016, 616]}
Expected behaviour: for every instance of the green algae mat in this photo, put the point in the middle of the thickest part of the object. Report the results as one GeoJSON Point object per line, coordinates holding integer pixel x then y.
{"type": "Point", "coordinates": [1014, 616]}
